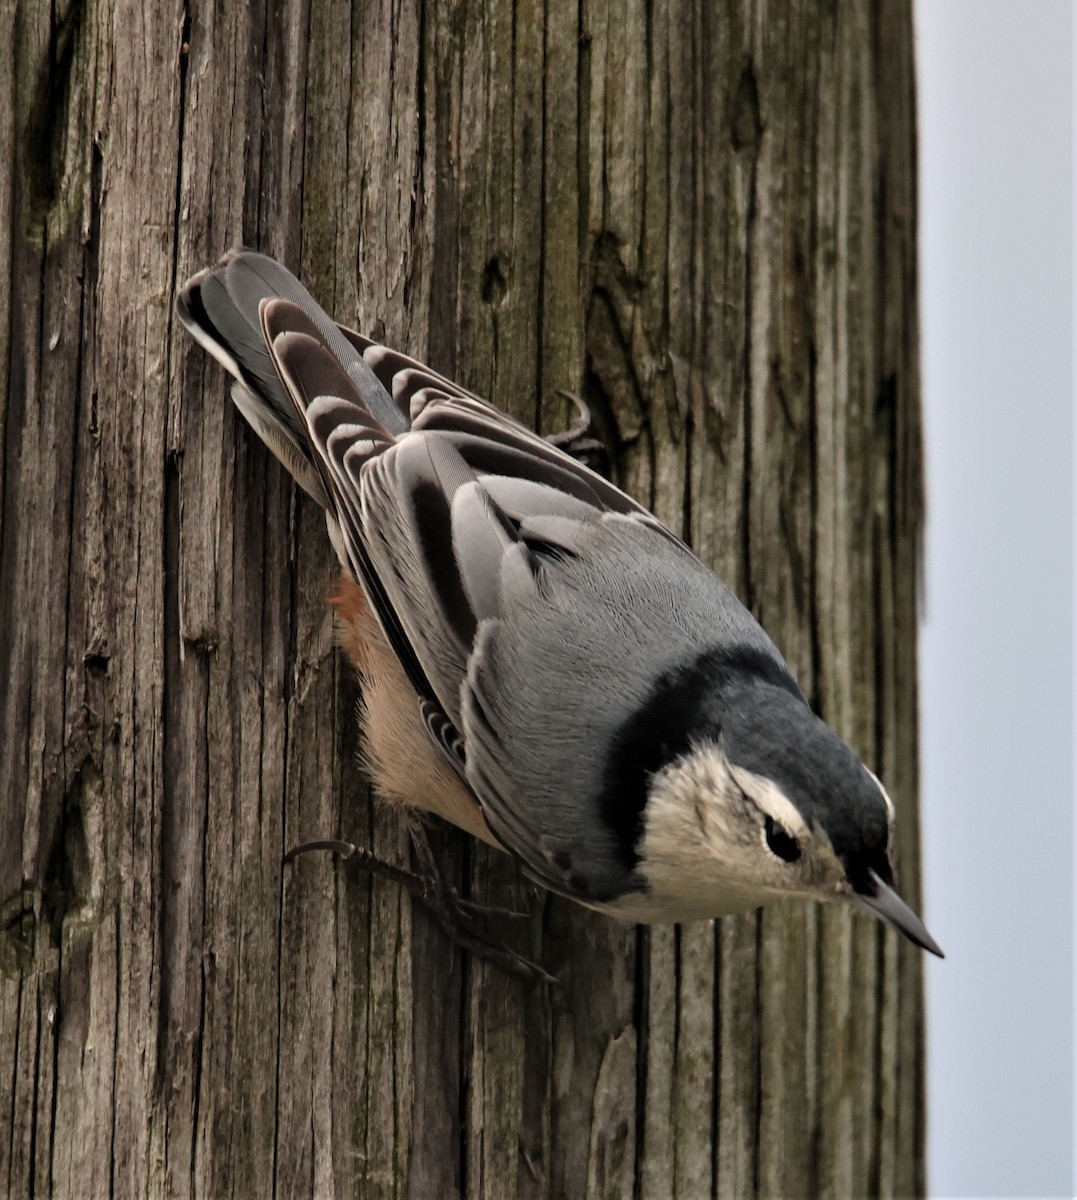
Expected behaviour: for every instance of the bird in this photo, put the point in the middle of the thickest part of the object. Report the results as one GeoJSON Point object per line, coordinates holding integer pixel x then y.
{"type": "Point", "coordinates": [543, 663]}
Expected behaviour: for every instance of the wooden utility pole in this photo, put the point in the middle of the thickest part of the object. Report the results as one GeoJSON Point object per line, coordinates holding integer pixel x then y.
{"type": "Point", "coordinates": [700, 215]}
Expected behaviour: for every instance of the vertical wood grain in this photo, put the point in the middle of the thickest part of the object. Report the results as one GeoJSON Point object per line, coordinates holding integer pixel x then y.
{"type": "Point", "coordinates": [700, 216]}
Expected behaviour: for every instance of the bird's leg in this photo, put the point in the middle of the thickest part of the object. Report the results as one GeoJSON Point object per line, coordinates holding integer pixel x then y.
{"type": "Point", "coordinates": [429, 885]}
{"type": "Point", "coordinates": [579, 441]}
{"type": "Point", "coordinates": [365, 859]}
{"type": "Point", "coordinates": [438, 889]}
{"type": "Point", "coordinates": [455, 915]}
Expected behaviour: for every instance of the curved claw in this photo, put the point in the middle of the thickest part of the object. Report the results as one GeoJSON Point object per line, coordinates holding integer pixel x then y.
{"type": "Point", "coordinates": [344, 849]}
{"type": "Point", "coordinates": [455, 915]}
{"type": "Point", "coordinates": [577, 441]}
{"type": "Point", "coordinates": [583, 410]}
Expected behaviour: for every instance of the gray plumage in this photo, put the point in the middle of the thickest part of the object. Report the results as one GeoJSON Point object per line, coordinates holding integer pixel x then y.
{"type": "Point", "coordinates": [593, 683]}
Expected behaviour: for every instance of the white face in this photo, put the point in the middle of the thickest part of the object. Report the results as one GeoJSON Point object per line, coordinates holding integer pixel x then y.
{"type": "Point", "coordinates": [719, 839]}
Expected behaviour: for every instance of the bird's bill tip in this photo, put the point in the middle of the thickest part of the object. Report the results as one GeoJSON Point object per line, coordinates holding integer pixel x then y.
{"type": "Point", "coordinates": [888, 905]}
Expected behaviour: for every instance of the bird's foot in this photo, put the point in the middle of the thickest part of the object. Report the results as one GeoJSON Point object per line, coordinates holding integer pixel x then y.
{"type": "Point", "coordinates": [456, 916]}
{"type": "Point", "coordinates": [579, 441]}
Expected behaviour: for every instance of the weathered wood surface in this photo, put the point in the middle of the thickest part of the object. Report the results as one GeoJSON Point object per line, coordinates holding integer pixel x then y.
{"type": "Point", "coordinates": [703, 216]}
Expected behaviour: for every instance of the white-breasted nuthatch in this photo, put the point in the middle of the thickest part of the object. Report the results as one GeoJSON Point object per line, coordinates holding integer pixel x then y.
{"type": "Point", "coordinates": [544, 664]}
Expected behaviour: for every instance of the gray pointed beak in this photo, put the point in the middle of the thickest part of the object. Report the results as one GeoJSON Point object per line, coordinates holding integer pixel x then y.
{"type": "Point", "coordinates": [886, 903]}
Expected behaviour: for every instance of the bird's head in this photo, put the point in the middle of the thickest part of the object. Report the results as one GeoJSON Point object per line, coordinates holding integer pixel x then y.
{"type": "Point", "coordinates": [769, 802]}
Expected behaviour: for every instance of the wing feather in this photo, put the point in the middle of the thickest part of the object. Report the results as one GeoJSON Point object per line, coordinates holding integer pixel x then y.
{"type": "Point", "coordinates": [507, 576]}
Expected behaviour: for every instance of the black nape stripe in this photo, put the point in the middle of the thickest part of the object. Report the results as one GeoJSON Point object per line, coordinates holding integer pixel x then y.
{"type": "Point", "coordinates": [683, 707]}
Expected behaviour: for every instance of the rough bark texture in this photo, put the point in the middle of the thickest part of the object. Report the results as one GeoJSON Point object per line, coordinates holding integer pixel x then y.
{"type": "Point", "coordinates": [700, 214]}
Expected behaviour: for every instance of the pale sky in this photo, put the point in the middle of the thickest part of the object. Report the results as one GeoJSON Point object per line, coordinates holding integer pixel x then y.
{"type": "Point", "coordinates": [997, 650]}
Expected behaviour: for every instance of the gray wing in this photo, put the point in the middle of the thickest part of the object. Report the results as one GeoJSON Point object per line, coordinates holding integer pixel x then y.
{"type": "Point", "coordinates": [595, 671]}
{"type": "Point", "coordinates": [543, 618]}
{"type": "Point", "coordinates": [537, 609]}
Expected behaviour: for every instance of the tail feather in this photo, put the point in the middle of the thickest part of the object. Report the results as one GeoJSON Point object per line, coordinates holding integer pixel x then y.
{"type": "Point", "coordinates": [226, 307]}
{"type": "Point", "coordinates": [262, 277]}
{"type": "Point", "coordinates": [402, 376]}
{"type": "Point", "coordinates": [281, 442]}
{"type": "Point", "coordinates": [309, 368]}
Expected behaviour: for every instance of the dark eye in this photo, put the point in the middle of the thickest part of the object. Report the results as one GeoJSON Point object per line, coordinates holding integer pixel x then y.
{"type": "Point", "coordinates": [783, 844]}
